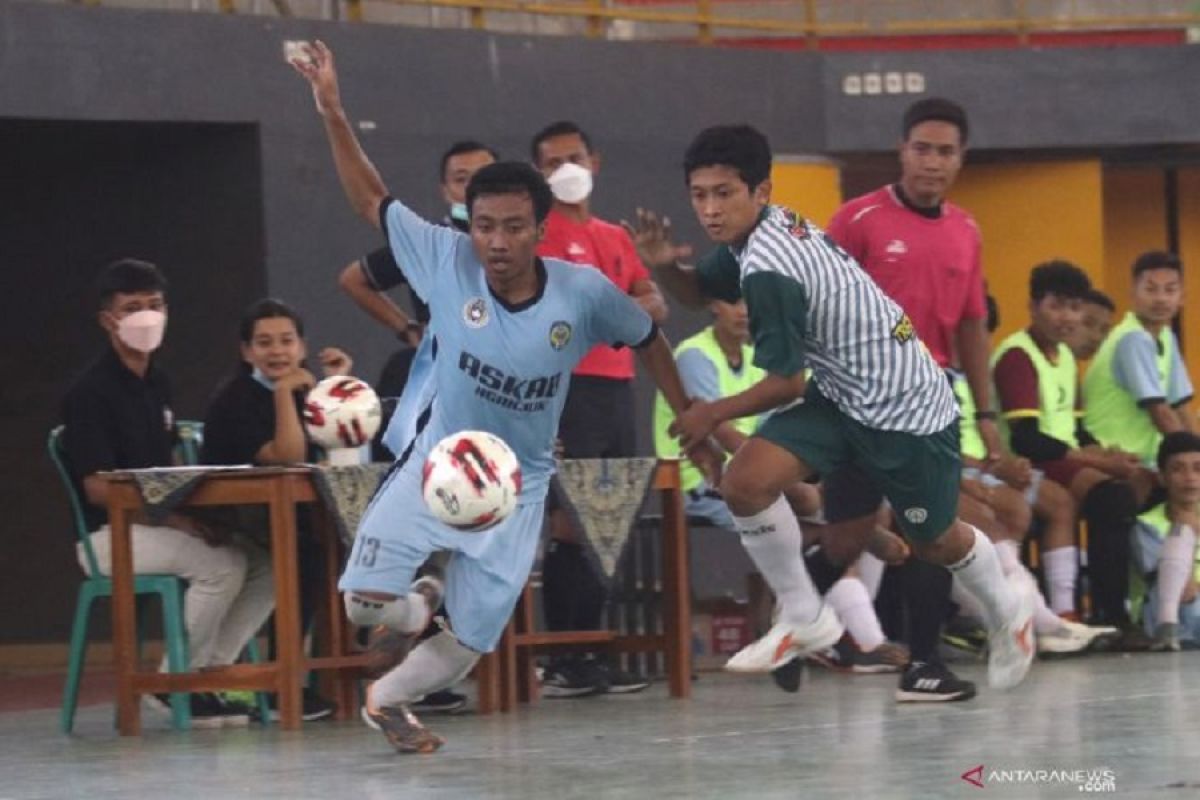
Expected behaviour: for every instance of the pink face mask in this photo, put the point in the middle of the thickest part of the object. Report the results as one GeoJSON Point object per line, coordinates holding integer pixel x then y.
{"type": "Point", "coordinates": [142, 330]}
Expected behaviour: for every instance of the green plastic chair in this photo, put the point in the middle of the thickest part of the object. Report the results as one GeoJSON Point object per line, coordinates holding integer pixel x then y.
{"type": "Point", "coordinates": [95, 585]}
{"type": "Point", "coordinates": [168, 587]}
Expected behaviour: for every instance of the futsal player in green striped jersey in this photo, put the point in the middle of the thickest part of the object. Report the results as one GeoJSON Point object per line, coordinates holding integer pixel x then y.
{"type": "Point", "coordinates": [876, 400]}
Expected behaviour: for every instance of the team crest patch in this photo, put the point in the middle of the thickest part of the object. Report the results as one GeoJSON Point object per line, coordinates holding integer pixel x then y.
{"type": "Point", "coordinates": [916, 515]}
{"type": "Point", "coordinates": [903, 331]}
{"type": "Point", "coordinates": [475, 312]}
{"type": "Point", "coordinates": [560, 334]}
{"type": "Point", "coordinates": [795, 224]}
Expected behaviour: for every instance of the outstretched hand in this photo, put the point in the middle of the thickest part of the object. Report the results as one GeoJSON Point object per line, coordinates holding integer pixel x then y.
{"type": "Point", "coordinates": [652, 236]}
{"type": "Point", "coordinates": [318, 69]}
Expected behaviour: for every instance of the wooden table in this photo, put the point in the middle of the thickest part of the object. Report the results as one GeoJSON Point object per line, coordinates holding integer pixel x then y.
{"type": "Point", "coordinates": [506, 676]}
{"type": "Point", "coordinates": [280, 489]}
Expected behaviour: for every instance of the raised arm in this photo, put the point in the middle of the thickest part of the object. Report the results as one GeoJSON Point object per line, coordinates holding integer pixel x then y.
{"type": "Point", "coordinates": [652, 237]}
{"type": "Point", "coordinates": [361, 182]}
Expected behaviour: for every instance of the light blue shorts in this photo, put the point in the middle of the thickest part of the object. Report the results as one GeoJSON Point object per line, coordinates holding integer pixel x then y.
{"type": "Point", "coordinates": [487, 570]}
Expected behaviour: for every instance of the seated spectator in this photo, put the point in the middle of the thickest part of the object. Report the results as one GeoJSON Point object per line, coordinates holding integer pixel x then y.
{"type": "Point", "coordinates": [1093, 329]}
{"type": "Point", "coordinates": [1137, 387]}
{"type": "Point", "coordinates": [1036, 385]}
{"type": "Point", "coordinates": [118, 415]}
{"type": "Point", "coordinates": [1165, 546]}
{"type": "Point", "coordinates": [256, 417]}
{"type": "Point", "coordinates": [719, 362]}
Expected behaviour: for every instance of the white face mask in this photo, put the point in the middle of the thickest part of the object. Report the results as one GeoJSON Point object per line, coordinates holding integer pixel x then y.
{"type": "Point", "coordinates": [142, 330]}
{"type": "Point", "coordinates": [571, 184]}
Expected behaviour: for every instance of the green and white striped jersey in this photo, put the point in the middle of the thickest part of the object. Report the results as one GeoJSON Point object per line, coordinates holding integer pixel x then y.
{"type": "Point", "coordinates": [812, 305]}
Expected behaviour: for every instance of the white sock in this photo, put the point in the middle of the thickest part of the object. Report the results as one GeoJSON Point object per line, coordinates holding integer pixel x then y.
{"type": "Point", "coordinates": [1045, 621]}
{"type": "Point", "coordinates": [968, 606]}
{"type": "Point", "coordinates": [850, 600]}
{"type": "Point", "coordinates": [870, 572]}
{"type": "Point", "coordinates": [772, 538]}
{"type": "Point", "coordinates": [1062, 571]}
{"type": "Point", "coordinates": [434, 664]}
{"type": "Point", "coordinates": [980, 573]}
{"type": "Point", "coordinates": [1009, 554]}
{"type": "Point", "coordinates": [1174, 568]}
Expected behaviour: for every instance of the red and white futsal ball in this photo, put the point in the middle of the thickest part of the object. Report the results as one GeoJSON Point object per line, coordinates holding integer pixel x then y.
{"type": "Point", "coordinates": [341, 412]}
{"type": "Point", "coordinates": [471, 480]}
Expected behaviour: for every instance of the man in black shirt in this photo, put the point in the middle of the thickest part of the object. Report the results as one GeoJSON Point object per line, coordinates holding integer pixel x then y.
{"type": "Point", "coordinates": [118, 415]}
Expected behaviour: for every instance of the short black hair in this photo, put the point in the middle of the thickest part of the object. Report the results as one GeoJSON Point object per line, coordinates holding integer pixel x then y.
{"type": "Point", "coordinates": [458, 148]}
{"type": "Point", "coordinates": [1156, 259]}
{"type": "Point", "coordinates": [740, 147]}
{"type": "Point", "coordinates": [128, 276]}
{"type": "Point", "coordinates": [267, 308]}
{"type": "Point", "coordinates": [993, 313]}
{"type": "Point", "coordinates": [560, 128]}
{"type": "Point", "coordinates": [1099, 298]}
{"type": "Point", "coordinates": [1175, 443]}
{"type": "Point", "coordinates": [1058, 277]}
{"type": "Point", "coordinates": [511, 177]}
{"type": "Point", "coordinates": [937, 109]}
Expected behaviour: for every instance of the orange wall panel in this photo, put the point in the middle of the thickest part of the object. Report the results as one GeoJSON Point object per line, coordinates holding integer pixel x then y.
{"type": "Point", "coordinates": [1031, 213]}
{"type": "Point", "coordinates": [1135, 220]}
{"type": "Point", "coordinates": [811, 187]}
{"type": "Point", "coordinates": [1189, 251]}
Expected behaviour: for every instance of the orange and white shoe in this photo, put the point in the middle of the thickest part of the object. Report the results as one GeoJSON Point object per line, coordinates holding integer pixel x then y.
{"type": "Point", "coordinates": [785, 643]}
{"type": "Point", "coordinates": [1011, 648]}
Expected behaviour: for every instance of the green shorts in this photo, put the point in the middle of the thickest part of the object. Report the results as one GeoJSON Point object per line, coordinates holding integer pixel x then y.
{"type": "Point", "coordinates": [918, 474]}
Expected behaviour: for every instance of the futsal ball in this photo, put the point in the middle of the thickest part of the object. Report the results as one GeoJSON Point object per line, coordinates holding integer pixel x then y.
{"type": "Point", "coordinates": [341, 412]}
{"type": "Point", "coordinates": [471, 480]}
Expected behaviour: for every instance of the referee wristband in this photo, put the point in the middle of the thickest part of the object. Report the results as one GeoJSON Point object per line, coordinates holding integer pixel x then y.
{"type": "Point", "coordinates": [982, 415]}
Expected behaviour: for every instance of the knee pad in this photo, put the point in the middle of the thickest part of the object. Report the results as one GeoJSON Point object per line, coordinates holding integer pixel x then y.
{"type": "Point", "coordinates": [395, 614]}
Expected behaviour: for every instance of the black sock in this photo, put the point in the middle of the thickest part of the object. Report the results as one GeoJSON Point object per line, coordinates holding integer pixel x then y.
{"type": "Point", "coordinates": [1110, 509]}
{"type": "Point", "coordinates": [926, 591]}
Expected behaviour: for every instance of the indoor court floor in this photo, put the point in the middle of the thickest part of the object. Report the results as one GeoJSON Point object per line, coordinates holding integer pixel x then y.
{"type": "Point", "coordinates": [1126, 724]}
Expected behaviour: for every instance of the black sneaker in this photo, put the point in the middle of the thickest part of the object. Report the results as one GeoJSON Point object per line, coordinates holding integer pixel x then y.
{"type": "Point", "coordinates": [234, 713]}
{"type": "Point", "coordinates": [314, 706]}
{"type": "Point", "coordinates": [206, 710]}
{"type": "Point", "coordinates": [845, 656]}
{"type": "Point", "coordinates": [932, 683]}
{"type": "Point", "coordinates": [965, 635]}
{"type": "Point", "coordinates": [618, 681]}
{"type": "Point", "coordinates": [572, 678]}
{"type": "Point", "coordinates": [443, 702]}
{"type": "Point", "coordinates": [1129, 638]}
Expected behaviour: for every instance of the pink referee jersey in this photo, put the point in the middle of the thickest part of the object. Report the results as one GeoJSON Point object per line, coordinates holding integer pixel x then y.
{"type": "Point", "coordinates": [930, 266]}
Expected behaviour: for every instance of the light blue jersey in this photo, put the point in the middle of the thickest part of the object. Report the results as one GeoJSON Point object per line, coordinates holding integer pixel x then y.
{"type": "Point", "coordinates": [499, 368]}
{"type": "Point", "coordinates": [496, 368]}
{"type": "Point", "coordinates": [416, 397]}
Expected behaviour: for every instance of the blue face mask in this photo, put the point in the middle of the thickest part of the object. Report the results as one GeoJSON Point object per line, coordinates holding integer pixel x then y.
{"type": "Point", "coordinates": [458, 211]}
{"type": "Point", "coordinates": [262, 379]}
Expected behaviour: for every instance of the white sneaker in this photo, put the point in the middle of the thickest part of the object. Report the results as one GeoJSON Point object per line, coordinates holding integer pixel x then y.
{"type": "Point", "coordinates": [1072, 637]}
{"type": "Point", "coordinates": [785, 643]}
{"type": "Point", "coordinates": [1012, 647]}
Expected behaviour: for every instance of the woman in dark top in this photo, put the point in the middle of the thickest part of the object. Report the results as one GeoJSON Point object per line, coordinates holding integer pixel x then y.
{"type": "Point", "coordinates": [256, 417]}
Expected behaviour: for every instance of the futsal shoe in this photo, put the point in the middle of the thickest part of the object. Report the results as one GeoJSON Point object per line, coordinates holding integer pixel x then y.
{"type": "Point", "coordinates": [387, 647]}
{"type": "Point", "coordinates": [1072, 638]}
{"type": "Point", "coordinates": [1166, 638]}
{"type": "Point", "coordinates": [1012, 645]}
{"type": "Point", "coordinates": [403, 730]}
{"type": "Point", "coordinates": [786, 642]}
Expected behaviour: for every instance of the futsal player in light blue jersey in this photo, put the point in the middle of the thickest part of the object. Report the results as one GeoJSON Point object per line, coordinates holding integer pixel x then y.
{"type": "Point", "coordinates": [509, 329]}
